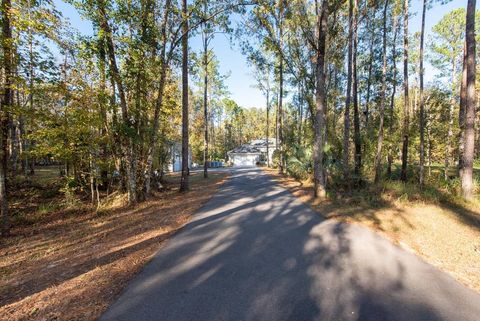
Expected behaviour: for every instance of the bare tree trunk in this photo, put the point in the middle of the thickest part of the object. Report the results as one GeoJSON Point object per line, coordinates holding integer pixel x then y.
{"type": "Point", "coordinates": [422, 100]}
{"type": "Point", "coordinates": [103, 101]}
{"type": "Point", "coordinates": [92, 179]}
{"type": "Point", "coordinates": [429, 142]}
{"type": "Point", "coordinates": [392, 97]}
{"type": "Point", "coordinates": [184, 179]}
{"type": "Point", "coordinates": [461, 113]}
{"type": "Point", "coordinates": [448, 148]}
{"type": "Point", "coordinates": [268, 124]}
{"type": "Point", "coordinates": [13, 145]}
{"type": "Point", "coordinates": [321, 101]}
{"type": "Point", "coordinates": [4, 114]}
{"type": "Point", "coordinates": [205, 105]}
{"type": "Point", "coordinates": [300, 114]}
{"type": "Point", "coordinates": [346, 130]}
{"type": "Point", "coordinates": [23, 144]}
{"type": "Point", "coordinates": [280, 121]}
{"type": "Point", "coordinates": [369, 77]}
{"type": "Point", "coordinates": [469, 144]}
{"type": "Point", "coordinates": [276, 127]}
{"type": "Point", "coordinates": [356, 116]}
{"type": "Point", "coordinates": [378, 157]}
{"type": "Point", "coordinates": [280, 98]}
{"type": "Point", "coordinates": [30, 162]}
{"type": "Point", "coordinates": [18, 137]}
{"type": "Point", "coordinates": [406, 116]}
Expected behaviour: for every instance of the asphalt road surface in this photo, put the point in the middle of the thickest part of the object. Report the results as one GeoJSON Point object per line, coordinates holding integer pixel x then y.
{"type": "Point", "coordinates": [254, 252]}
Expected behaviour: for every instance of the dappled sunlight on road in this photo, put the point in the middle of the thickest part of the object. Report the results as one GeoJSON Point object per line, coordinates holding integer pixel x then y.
{"type": "Point", "coordinates": [255, 252]}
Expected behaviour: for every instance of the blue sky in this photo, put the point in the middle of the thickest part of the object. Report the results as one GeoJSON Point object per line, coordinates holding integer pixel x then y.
{"type": "Point", "coordinates": [241, 83]}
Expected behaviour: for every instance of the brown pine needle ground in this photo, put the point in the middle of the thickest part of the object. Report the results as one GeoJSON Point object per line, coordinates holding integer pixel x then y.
{"type": "Point", "coordinates": [445, 234]}
{"type": "Point", "coordinates": [72, 266]}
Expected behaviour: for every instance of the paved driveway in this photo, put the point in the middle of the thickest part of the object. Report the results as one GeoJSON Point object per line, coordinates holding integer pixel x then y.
{"type": "Point", "coordinates": [254, 252]}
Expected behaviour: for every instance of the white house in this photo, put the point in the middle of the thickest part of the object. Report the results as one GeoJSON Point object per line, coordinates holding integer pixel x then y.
{"type": "Point", "coordinates": [252, 154]}
{"type": "Point", "coordinates": [261, 145]}
{"type": "Point", "coordinates": [245, 155]}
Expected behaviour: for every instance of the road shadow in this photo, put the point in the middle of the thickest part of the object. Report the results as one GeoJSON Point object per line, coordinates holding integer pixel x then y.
{"type": "Point", "coordinates": [254, 252]}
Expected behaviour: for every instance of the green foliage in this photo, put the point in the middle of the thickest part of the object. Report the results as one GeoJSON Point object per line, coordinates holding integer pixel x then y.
{"type": "Point", "coordinates": [95, 104]}
{"type": "Point", "coordinates": [299, 162]}
{"type": "Point", "coordinates": [70, 191]}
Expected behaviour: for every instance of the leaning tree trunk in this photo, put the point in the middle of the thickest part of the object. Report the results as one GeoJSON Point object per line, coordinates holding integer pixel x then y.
{"type": "Point", "coordinates": [422, 100]}
{"type": "Point", "coordinates": [406, 112]}
{"type": "Point", "coordinates": [469, 140]}
{"type": "Point", "coordinates": [321, 103]}
{"type": "Point", "coordinates": [4, 114]}
{"type": "Point", "coordinates": [378, 157]}
{"type": "Point", "coordinates": [184, 178]}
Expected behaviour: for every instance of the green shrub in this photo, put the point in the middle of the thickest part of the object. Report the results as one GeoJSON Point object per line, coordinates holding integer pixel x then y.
{"type": "Point", "coordinates": [70, 190]}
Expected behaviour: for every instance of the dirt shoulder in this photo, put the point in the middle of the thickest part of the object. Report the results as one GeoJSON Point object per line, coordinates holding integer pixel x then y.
{"type": "Point", "coordinates": [73, 266]}
{"type": "Point", "coordinates": [445, 235]}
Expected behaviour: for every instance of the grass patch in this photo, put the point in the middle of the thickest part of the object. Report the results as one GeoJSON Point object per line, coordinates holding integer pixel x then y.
{"type": "Point", "coordinates": [48, 208]}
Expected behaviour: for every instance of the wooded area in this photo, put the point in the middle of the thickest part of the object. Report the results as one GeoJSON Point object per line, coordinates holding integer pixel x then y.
{"type": "Point", "coordinates": [108, 108]}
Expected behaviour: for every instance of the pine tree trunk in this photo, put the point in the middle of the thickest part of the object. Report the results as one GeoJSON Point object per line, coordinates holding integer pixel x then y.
{"type": "Point", "coordinates": [4, 114]}
{"type": "Point", "coordinates": [469, 140]}
{"type": "Point", "coordinates": [29, 162]}
{"type": "Point", "coordinates": [448, 148]}
{"type": "Point", "coordinates": [461, 112]}
{"type": "Point", "coordinates": [429, 142]}
{"type": "Point", "coordinates": [392, 97]}
{"type": "Point", "coordinates": [205, 106]}
{"type": "Point", "coordinates": [103, 107]}
{"type": "Point", "coordinates": [321, 102]}
{"type": "Point", "coordinates": [280, 121]}
{"type": "Point", "coordinates": [406, 112]}
{"type": "Point", "coordinates": [378, 157]}
{"type": "Point", "coordinates": [184, 179]}
{"type": "Point", "coordinates": [422, 99]}
{"type": "Point", "coordinates": [13, 146]}
{"type": "Point", "coordinates": [356, 115]}
{"type": "Point", "coordinates": [346, 130]}
{"type": "Point", "coordinates": [300, 116]}
{"type": "Point", "coordinates": [280, 96]}
{"type": "Point", "coordinates": [369, 77]}
{"type": "Point", "coordinates": [268, 125]}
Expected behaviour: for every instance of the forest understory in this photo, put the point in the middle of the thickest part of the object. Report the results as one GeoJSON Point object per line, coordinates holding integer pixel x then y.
{"type": "Point", "coordinates": [70, 261]}
{"type": "Point", "coordinates": [442, 229]}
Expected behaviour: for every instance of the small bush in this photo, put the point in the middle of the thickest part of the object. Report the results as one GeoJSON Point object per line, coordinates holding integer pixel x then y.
{"type": "Point", "coordinates": [70, 193]}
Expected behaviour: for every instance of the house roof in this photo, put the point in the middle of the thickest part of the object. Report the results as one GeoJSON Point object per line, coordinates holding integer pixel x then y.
{"type": "Point", "coordinates": [262, 142]}
{"type": "Point", "coordinates": [245, 149]}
